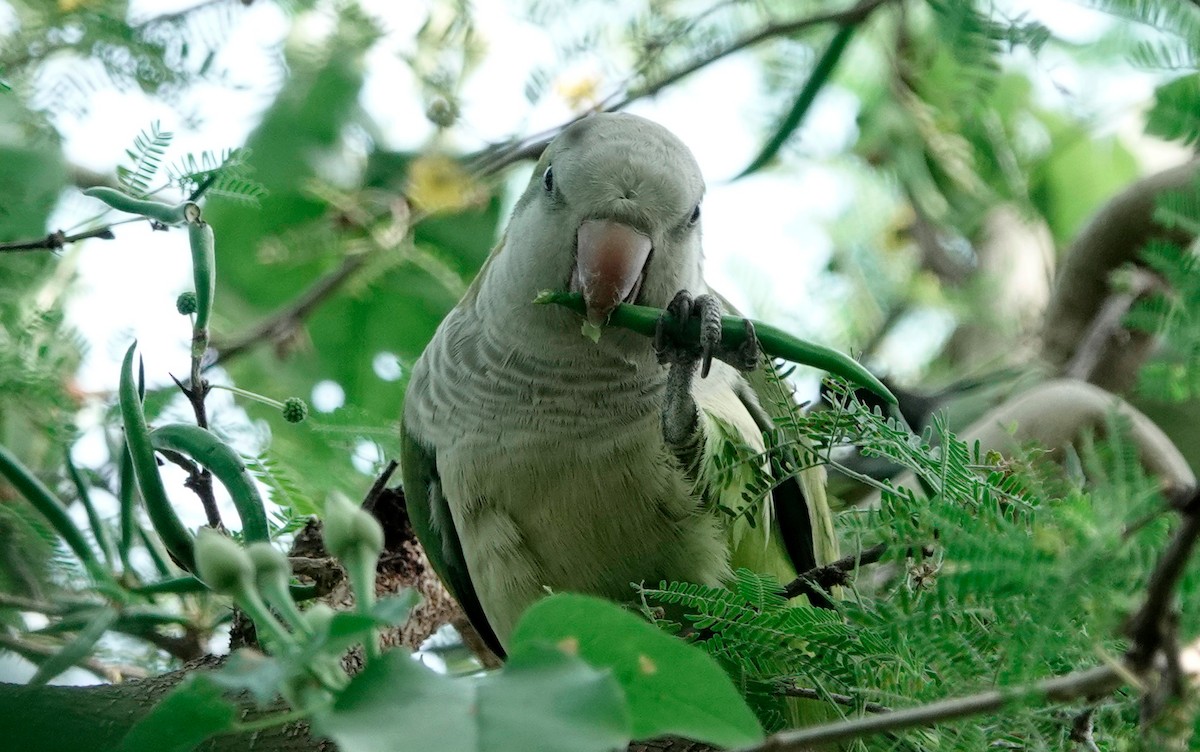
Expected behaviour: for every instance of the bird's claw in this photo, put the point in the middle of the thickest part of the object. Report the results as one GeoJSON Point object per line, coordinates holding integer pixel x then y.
{"type": "Point", "coordinates": [671, 349]}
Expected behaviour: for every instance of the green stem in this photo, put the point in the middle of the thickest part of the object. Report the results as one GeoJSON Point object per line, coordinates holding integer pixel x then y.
{"type": "Point", "coordinates": [361, 570]}
{"type": "Point", "coordinates": [249, 395]}
{"type": "Point", "coordinates": [271, 721]}
{"type": "Point", "coordinates": [254, 606]}
{"type": "Point", "coordinates": [774, 341]}
{"type": "Point", "coordinates": [48, 505]}
{"type": "Point", "coordinates": [99, 531]}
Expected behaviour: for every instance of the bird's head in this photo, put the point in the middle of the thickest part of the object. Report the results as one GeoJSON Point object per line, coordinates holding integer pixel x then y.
{"type": "Point", "coordinates": [612, 211]}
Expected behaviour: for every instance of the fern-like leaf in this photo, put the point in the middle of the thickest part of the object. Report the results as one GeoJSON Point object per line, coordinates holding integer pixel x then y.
{"type": "Point", "coordinates": [145, 159]}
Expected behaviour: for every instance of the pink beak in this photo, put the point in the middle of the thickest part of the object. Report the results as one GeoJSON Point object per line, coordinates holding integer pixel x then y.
{"type": "Point", "coordinates": [609, 260]}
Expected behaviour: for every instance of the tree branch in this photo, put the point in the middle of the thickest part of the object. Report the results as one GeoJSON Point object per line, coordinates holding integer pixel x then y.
{"type": "Point", "coordinates": [1093, 682]}
{"type": "Point", "coordinates": [817, 581]}
{"type": "Point", "coordinates": [495, 158]}
{"type": "Point", "coordinates": [56, 240]}
{"type": "Point", "coordinates": [1151, 624]}
{"type": "Point", "coordinates": [1115, 235]}
{"type": "Point", "coordinates": [1151, 629]}
{"type": "Point", "coordinates": [286, 320]}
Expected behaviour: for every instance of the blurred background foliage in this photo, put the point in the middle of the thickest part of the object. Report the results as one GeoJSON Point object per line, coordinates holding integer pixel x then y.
{"type": "Point", "coordinates": [980, 142]}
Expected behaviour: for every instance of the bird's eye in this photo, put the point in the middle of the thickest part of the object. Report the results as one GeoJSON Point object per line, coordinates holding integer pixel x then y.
{"type": "Point", "coordinates": [695, 216]}
{"type": "Point", "coordinates": [548, 179]}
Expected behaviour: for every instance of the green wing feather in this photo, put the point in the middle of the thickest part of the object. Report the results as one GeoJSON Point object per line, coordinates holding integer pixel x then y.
{"type": "Point", "coordinates": [429, 513]}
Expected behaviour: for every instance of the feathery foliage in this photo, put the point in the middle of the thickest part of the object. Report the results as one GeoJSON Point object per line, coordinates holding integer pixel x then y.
{"type": "Point", "coordinates": [145, 159]}
{"type": "Point", "coordinates": [974, 553]}
{"type": "Point", "coordinates": [1173, 311]}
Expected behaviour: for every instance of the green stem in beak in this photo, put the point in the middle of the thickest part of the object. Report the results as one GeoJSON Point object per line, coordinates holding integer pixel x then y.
{"type": "Point", "coordinates": [774, 341]}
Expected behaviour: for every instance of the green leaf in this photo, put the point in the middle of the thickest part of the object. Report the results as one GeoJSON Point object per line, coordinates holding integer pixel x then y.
{"type": "Point", "coordinates": [253, 672]}
{"type": "Point", "coordinates": [544, 694]}
{"type": "Point", "coordinates": [540, 697]}
{"type": "Point", "coordinates": [1175, 115]}
{"type": "Point", "coordinates": [672, 687]}
{"type": "Point", "coordinates": [395, 610]}
{"type": "Point", "coordinates": [804, 100]}
{"type": "Point", "coordinates": [46, 503]}
{"type": "Point", "coordinates": [193, 712]}
{"type": "Point", "coordinates": [78, 649]}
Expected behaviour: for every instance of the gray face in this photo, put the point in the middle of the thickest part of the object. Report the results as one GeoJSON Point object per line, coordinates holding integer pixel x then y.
{"type": "Point", "coordinates": [618, 168]}
{"type": "Point", "coordinates": [626, 168]}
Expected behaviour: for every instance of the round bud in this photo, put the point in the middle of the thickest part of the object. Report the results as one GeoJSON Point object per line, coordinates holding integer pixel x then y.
{"type": "Point", "coordinates": [222, 563]}
{"type": "Point", "coordinates": [186, 303]}
{"type": "Point", "coordinates": [294, 410]}
{"type": "Point", "coordinates": [270, 565]}
{"type": "Point", "coordinates": [349, 530]}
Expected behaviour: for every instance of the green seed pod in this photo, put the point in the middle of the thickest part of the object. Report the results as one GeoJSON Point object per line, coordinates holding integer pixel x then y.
{"type": "Point", "coordinates": [295, 410]}
{"type": "Point", "coordinates": [222, 563]}
{"type": "Point", "coordinates": [158, 211]}
{"type": "Point", "coordinates": [215, 455]}
{"type": "Point", "coordinates": [166, 523]}
{"type": "Point", "coordinates": [186, 303]}
{"type": "Point", "coordinates": [349, 530]}
{"type": "Point", "coordinates": [204, 271]}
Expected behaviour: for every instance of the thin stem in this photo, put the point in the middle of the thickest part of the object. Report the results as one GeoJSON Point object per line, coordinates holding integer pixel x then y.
{"type": "Point", "coordinates": [249, 395]}
{"type": "Point", "coordinates": [811, 693]}
{"type": "Point", "coordinates": [200, 480]}
{"type": "Point", "coordinates": [271, 721]}
{"type": "Point", "coordinates": [55, 240]}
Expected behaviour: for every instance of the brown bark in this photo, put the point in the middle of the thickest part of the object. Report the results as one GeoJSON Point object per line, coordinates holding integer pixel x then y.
{"type": "Point", "coordinates": [1115, 236]}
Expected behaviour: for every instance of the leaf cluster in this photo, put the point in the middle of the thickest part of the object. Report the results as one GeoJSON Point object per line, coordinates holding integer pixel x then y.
{"type": "Point", "coordinates": [997, 573]}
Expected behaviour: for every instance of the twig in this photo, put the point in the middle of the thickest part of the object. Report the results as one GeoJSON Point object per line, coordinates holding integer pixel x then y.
{"type": "Point", "coordinates": [199, 479]}
{"type": "Point", "coordinates": [1151, 624]}
{"type": "Point", "coordinates": [810, 693]}
{"type": "Point", "coordinates": [56, 240]}
{"type": "Point", "coordinates": [196, 483]}
{"type": "Point", "coordinates": [496, 158]}
{"type": "Point", "coordinates": [378, 486]}
{"type": "Point", "coordinates": [33, 606]}
{"type": "Point", "coordinates": [1107, 325]}
{"type": "Point", "coordinates": [288, 319]}
{"type": "Point", "coordinates": [1151, 630]}
{"type": "Point", "coordinates": [1092, 682]}
{"type": "Point", "coordinates": [818, 580]}
{"type": "Point", "coordinates": [1083, 730]}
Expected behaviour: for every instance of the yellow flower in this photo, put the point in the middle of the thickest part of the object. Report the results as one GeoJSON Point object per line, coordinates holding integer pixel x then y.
{"type": "Point", "coordinates": [66, 6]}
{"type": "Point", "coordinates": [579, 91]}
{"type": "Point", "coordinates": [436, 183]}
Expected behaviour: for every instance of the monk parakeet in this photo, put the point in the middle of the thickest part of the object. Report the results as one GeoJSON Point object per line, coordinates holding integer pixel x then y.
{"type": "Point", "coordinates": [537, 460]}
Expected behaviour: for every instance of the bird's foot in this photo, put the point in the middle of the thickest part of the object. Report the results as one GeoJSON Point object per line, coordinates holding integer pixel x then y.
{"type": "Point", "coordinates": [672, 349]}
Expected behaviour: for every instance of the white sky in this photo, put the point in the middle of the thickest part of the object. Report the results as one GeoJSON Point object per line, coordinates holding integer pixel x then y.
{"type": "Point", "coordinates": [763, 233]}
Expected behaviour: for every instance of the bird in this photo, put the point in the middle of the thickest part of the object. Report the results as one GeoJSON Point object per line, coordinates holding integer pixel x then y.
{"type": "Point", "coordinates": [535, 460]}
